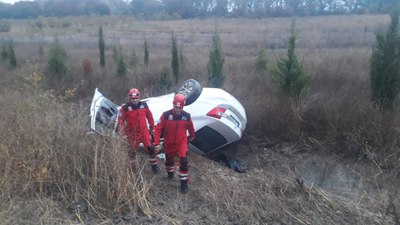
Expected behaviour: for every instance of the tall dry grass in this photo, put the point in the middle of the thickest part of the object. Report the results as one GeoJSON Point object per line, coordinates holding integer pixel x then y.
{"type": "Point", "coordinates": [46, 151]}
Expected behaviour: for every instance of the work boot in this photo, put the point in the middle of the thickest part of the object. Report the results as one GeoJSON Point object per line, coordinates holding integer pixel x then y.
{"type": "Point", "coordinates": [170, 175]}
{"type": "Point", "coordinates": [184, 187]}
{"type": "Point", "coordinates": [155, 168]}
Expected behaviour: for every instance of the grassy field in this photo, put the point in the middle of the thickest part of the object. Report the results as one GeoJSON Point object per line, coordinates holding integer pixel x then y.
{"type": "Point", "coordinates": [334, 160]}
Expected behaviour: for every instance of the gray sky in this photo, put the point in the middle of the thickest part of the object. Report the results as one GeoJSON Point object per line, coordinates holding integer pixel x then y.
{"type": "Point", "coordinates": [12, 1]}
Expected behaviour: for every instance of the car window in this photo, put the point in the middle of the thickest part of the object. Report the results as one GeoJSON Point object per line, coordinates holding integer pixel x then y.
{"type": "Point", "coordinates": [208, 140]}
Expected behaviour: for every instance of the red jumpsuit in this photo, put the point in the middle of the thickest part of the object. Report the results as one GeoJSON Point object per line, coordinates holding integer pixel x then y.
{"type": "Point", "coordinates": [173, 128]}
{"type": "Point", "coordinates": [132, 122]}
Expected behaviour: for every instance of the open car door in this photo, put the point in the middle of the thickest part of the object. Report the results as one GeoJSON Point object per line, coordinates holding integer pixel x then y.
{"type": "Point", "coordinates": [103, 114]}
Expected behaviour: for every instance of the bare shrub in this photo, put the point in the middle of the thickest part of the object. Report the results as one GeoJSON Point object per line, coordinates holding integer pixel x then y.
{"type": "Point", "coordinates": [87, 66]}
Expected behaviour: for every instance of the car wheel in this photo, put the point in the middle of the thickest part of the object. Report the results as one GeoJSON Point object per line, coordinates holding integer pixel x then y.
{"type": "Point", "coordinates": [191, 89]}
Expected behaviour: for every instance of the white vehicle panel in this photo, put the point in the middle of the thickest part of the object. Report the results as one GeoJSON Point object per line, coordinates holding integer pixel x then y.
{"type": "Point", "coordinates": [214, 131]}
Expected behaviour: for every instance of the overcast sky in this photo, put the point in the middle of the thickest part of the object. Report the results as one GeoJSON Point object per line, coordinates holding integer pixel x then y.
{"type": "Point", "coordinates": [11, 1]}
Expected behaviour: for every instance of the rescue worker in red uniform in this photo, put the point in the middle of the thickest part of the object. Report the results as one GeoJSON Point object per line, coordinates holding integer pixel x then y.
{"type": "Point", "coordinates": [132, 123]}
{"type": "Point", "coordinates": [173, 126]}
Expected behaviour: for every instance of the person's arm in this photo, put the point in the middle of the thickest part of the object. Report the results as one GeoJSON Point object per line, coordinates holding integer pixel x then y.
{"type": "Point", "coordinates": [121, 122]}
{"type": "Point", "coordinates": [150, 120]}
{"type": "Point", "coordinates": [157, 134]}
{"type": "Point", "coordinates": [191, 130]}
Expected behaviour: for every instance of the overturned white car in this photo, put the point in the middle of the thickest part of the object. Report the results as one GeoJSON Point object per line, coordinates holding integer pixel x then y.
{"type": "Point", "coordinates": [219, 118]}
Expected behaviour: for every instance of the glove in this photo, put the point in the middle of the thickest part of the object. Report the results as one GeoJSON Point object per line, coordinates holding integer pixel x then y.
{"type": "Point", "coordinates": [157, 148]}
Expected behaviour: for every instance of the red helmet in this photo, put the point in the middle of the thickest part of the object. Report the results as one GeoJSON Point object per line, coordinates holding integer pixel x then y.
{"type": "Point", "coordinates": [134, 93]}
{"type": "Point", "coordinates": [179, 100]}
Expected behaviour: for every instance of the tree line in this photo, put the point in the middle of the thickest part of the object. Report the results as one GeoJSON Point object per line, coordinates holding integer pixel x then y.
{"type": "Point", "coordinates": [183, 9]}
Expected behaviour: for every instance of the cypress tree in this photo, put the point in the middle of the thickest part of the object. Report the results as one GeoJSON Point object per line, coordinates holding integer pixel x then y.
{"type": "Point", "coordinates": [101, 47]}
{"type": "Point", "coordinates": [4, 53]}
{"type": "Point", "coordinates": [146, 54]}
{"type": "Point", "coordinates": [165, 79]}
{"type": "Point", "coordinates": [385, 66]}
{"type": "Point", "coordinates": [215, 67]}
{"type": "Point", "coordinates": [290, 78]}
{"type": "Point", "coordinates": [175, 59]}
{"type": "Point", "coordinates": [13, 59]}
{"type": "Point", "coordinates": [56, 62]}
{"type": "Point", "coordinates": [261, 63]}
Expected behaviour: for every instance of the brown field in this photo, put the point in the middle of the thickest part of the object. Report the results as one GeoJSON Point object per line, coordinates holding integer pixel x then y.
{"type": "Point", "coordinates": [333, 160]}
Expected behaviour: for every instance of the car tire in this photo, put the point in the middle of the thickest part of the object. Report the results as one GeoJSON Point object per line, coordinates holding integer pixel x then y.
{"type": "Point", "coordinates": [191, 89]}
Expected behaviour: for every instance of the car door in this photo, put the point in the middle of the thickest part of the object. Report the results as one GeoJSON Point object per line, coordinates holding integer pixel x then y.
{"type": "Point", "coordinates": [103, 114]}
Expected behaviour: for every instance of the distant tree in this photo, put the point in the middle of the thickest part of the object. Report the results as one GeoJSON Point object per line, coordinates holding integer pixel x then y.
{"type": "Point", "coordinates": [183, 8]}
{"type": "Point", "coordinates": [99, 8]}
{"type": "Point", "coordinates": [182, 59]}
{"type": "Point", "coordinates": [146, 8]}
{"type": "Point", "coordinates": [121, 66]}
{"type": "Point", "coordinates": [385, 65]}
{"type": "Point", "coordinates": [26, 9]}
{"type": "Point", "coordinates": [56, 62]}
{"type": "Point", "coordinates": [290, 77]}
{"type": "Point", "coordinates": [221, 8]}
{"type": "Point", "coordinates": [4, 52]}
{"type": "Point", "coordinates": [165, 79]}
{"type": "Point", "coordinates": [41, 50]}
{"type": "Point", "coordinates": [101, 47]}
{"type": "Point", "coordinates": [204, 8]}
{"type": "Point", "coordinates": [13, 59]}
{"type": "Point", "coordinates": [119, 60]}
{"type": "Point", "coordinates": [215, 67]}
{"type": "Point", "coordinates": [175, 59]}
{"type": "Point", "coordinates": [64, 8]}
{"type": "Point", "coordinates": [146, 54]}
{"type": "Point", "coordinates": [133, 59]}
{"type": "Point", "coordinates": [261, 63]}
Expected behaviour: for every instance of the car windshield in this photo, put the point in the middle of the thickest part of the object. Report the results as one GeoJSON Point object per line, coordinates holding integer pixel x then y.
{"type": "Point", "coordinates": [207, 144]}
{"type": "Point", "coordinates": [105, 116]}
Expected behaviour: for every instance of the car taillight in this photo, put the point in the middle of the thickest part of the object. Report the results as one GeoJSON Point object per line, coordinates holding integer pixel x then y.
{"type": "Point", "coordinates": [217, 112]}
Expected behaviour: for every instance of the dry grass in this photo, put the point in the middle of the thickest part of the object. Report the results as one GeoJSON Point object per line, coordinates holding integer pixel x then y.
{"type": "Point", "coordinates": [49, 161]}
